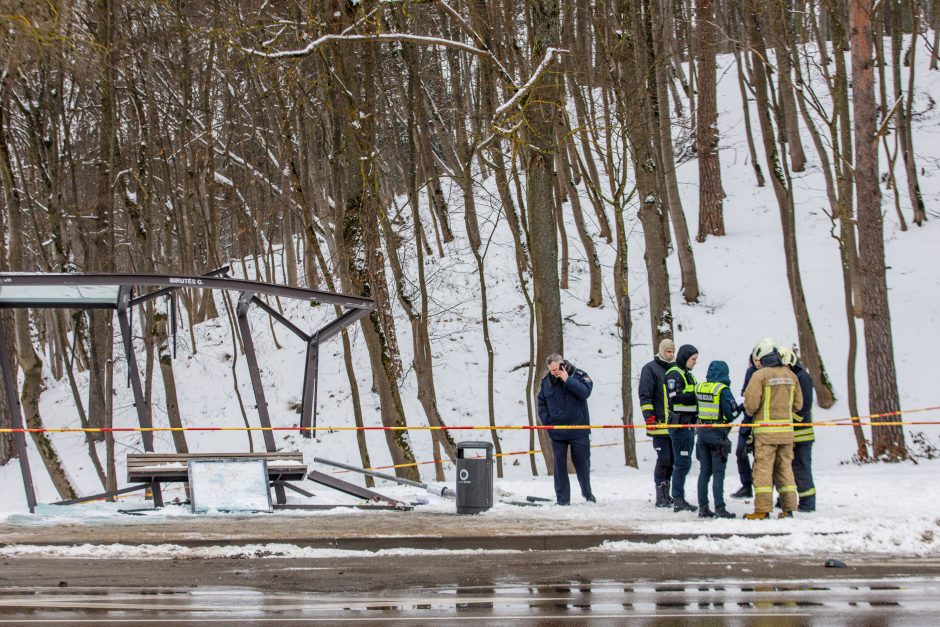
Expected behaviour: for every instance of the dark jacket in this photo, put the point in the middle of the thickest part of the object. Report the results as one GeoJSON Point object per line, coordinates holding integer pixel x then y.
{"type": "Point", "coordinates": [746, 420]}
{"type": "Point", "coordinates": [676, 392]}
{"type": "Point", "coordinates": [806, 387]}
{"type": "Point", "coordinates": [804, 433]}
{"type": "Point", "coordinates": [650, 389]}
{"type": "Point", "coordinates": [565, 403]}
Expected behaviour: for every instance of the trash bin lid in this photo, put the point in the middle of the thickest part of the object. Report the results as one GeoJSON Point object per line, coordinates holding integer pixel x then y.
{"type": "Point", "coordinates": [475, 444]}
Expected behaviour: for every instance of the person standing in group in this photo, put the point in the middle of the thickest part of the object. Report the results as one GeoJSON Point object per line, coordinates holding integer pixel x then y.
{"type": "Point", "coordinates": [803, 434]}
{"type": "Point", "coordinates": [772, 397]}
{"type": "Point", "coordinates": [654, 405]}
{"type": "Point", "coordinates": [682, 409]}
{"type": "Point", "coordinates": [716, 407]}
{"type": "Point", "coordinates": [562, 401]}
{"type": "Point", "coordinates": [746, 490]}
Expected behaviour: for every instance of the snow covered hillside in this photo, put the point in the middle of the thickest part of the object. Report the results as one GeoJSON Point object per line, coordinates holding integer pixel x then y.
{"type": "Point", "coordinates": [744, 297]}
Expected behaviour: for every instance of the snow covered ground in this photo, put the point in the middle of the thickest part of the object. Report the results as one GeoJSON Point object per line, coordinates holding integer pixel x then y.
{"type": "Point", "coordinates": [885, 508]}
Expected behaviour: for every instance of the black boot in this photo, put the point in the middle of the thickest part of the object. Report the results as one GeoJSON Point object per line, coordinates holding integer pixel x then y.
{"type": "Point", "coordinates": [667, 491]}
{"type": "Point", "coordinates": [704, 512]}
{"type": "Point", "coordinates": [721, 512]}
{"type": "Point", "coordinates": [746, 492]}
{"type": "Point", "coordinates": [662, 498]}
{"type": "Point", "coordinates": [679, 504]}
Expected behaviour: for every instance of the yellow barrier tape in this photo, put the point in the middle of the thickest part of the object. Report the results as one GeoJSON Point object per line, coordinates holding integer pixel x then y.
{"type": "Point", "coordinates": [840, 422]}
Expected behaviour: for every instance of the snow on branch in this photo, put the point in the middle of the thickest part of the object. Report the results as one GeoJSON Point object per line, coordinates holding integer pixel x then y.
{"type": "Point", "coordinates": [379, 37]}
{"type": "Point", "coordinates": [550, 55]}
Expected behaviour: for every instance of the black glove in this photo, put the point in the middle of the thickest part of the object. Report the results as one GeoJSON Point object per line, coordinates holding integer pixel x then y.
{"type": "Point", "coordinates": [749, 445]}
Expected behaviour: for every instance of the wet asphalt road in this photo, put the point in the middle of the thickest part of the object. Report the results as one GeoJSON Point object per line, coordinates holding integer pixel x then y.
{"type": "Point", "coordinates": [544, 587]}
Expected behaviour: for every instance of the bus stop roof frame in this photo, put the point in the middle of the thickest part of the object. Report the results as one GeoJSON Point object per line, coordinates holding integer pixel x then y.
{"type": "Point", "coordinates": [117, 292]}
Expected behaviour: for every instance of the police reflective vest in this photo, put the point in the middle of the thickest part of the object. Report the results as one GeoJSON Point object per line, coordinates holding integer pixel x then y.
{"type": "Point", "coordinates": [763, 422]}
{"type": "Point", "coordinates": [709, 401]}
{"type": "Point", "coordinates": [687, 388]}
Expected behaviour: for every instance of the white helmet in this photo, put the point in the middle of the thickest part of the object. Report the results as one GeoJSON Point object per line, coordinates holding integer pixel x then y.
{"type": "Point", "coordinates": [787, 356]}
{"type": "Point", "coordinates": [765, 347]}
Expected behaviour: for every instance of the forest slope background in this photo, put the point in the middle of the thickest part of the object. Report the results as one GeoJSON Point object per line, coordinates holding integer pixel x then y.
{"type": "Point", "coordinates": [744, 297]}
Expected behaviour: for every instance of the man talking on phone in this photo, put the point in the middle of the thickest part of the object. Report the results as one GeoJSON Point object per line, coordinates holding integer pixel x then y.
{"type": "Point", "coordinates": [563, 403]}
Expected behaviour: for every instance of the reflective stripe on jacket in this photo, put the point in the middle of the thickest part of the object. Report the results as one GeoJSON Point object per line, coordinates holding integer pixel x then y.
{"type": "Point", "coordinates": [804, 432]}
{"type": "Point", "coordinates": [652, 392]}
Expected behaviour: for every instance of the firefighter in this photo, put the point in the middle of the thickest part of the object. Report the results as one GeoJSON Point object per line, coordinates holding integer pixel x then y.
{"type": "Point", "coordinates": [653, 404]}
{"type": "Point", "coordinates": [803, 434]}
{"type": "Point", "coordinates": [772, 397]}
{"type": "Point", "coordinates": [716, 406]}
{"type": "Point", "coordinates": [682, 409]}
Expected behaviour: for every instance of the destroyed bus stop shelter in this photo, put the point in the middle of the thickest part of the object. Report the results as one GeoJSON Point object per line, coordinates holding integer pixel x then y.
{"type": "Point", "coordinates": [121, 292]}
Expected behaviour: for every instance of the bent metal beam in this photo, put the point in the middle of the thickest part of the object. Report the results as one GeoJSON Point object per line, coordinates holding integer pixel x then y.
{"type": "Point", "coordinates": [116, 292]}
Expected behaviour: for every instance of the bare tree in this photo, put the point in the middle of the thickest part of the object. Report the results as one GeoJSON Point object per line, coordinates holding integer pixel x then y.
{"type": "Point", "coordinates": [711, 220]}
{"type": "Point", "coordinates": [887, 441]}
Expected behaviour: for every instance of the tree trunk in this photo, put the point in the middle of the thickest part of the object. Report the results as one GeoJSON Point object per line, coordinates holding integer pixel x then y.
{"type": "Point", "coordinates": [888, 441]}
{"type": "Point", "coordinates": [159, 333]}
{"type": "Point", "coordinates": [11, 196]}
{"type": "Point", "coordinates": [7, 446]}
{"type": "Point", "coordinates": [748, 131]}
{"type": "Point", "coordinates": [667, 170]}
{"type": "Point", "coordinates": [625, 318]}
{"type": "Point", "coordinates": [780, 179]}
{"type": "Point", "coordinates": [595, 296]}
{"type": "Point", "coordinates": [638, 112]}
{"type": "Point", "coordinates": [711, 220]}
{"type": "Point", "coordinates": [542, 110]}
{"type": "Point", "coordinates": [904, 132]}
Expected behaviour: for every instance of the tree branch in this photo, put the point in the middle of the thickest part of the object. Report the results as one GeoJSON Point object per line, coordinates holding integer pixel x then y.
{"type": "Point", "coordinates": [550, 55]}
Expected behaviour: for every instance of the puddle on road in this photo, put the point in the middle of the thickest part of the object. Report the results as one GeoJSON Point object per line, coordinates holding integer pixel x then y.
{"type": "Point", "coordinates": [809, 602]}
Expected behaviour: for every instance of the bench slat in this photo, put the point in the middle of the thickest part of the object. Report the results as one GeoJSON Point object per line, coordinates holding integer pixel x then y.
{"type": "Point", "coordinates": [174, 467]}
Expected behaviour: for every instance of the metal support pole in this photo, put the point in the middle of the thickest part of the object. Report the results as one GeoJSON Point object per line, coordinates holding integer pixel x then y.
{"type": "Point", "coordinates": [124, 299]}
{"type": "Point", "coordinates": [241, 311]}
{"type": "Point", "coordinates": [16, 421]}
{"type": "Point", "coordinates": [308, 415]}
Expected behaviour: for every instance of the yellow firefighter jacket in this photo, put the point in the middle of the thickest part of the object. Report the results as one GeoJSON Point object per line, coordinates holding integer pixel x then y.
{"type": "Point", "coordinates": [772, 396]}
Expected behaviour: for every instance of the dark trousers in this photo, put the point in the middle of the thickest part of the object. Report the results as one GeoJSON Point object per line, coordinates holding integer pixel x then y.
{"type": "Point", "coordinates": [581, 458]}
{"type": "Point", "coordinates": [683, 441]}
{"type": "Point", "coordinates": [744, 462]}
{"type": "Point", "coordinates": [662, 473]}
{"type": "Point", "coordinates": [803, 473]}
{"type": "Point", "coordinates": [712, 457]}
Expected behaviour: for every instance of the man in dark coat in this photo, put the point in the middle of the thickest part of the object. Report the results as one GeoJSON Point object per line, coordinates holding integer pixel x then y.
{"type": "Point", "coordinates": [653, 404]}
{"type": "Point", "coordinates": [562, 402]}
{"type": "Point", "coordinates": [682, 404]}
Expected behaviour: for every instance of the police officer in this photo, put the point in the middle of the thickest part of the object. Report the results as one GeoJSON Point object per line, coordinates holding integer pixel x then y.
{"type": "Point", "coordinates": [746, 490]}
{"type": "Point", "coordinates": [772, 396]}
{"type": "Point", "coordinates": [562, 401]}
{"type": "Point", "coordinates": [682, 405]}
{"type": "Point", "coordinates": [716, 406]}
{"type": "Point", "coordinates": [652, 392]}
{"type": "Point", "coordinates": [803, 434]}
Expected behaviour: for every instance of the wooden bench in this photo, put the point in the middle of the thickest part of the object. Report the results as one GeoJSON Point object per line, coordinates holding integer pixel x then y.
{"type": "Point", "coordinates": [157, 468]}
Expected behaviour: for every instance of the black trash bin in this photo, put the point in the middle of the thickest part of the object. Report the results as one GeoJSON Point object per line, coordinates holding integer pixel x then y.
{"type": "Point", "coordinates": [474, 477]}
